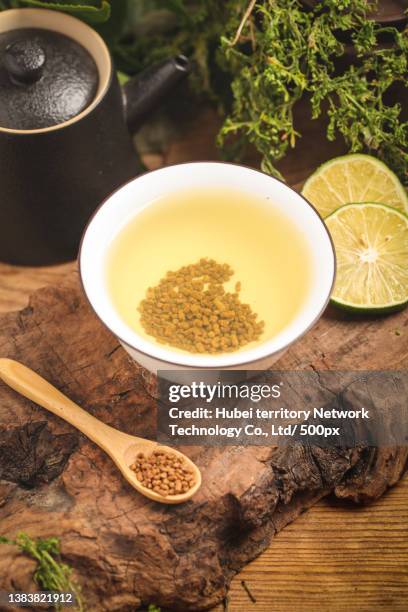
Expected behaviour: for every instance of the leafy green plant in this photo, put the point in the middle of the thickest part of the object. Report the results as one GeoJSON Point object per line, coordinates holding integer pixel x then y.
{"type": "Point", "coordinates": [161, 28]}
{"type": "Point", "coordinates": [283, 53]}
{"type": "Point", "coordinates": [50, 574]}
{"type": "Point", "coordinates": [94, 11]}
{"type": "Point", "coordinates": [259, 59]}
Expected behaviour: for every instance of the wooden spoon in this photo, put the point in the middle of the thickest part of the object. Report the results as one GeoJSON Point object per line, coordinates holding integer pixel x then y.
{"type": "Point", "coordinates": [121, 447]}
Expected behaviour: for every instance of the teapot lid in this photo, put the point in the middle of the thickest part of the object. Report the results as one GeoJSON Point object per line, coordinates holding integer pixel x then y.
{"type": "Point", "coordinates": [46, 78]}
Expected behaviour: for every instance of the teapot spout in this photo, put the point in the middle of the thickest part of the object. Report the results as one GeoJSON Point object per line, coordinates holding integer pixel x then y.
{"type": "Point", "coordinates": [143, 93]}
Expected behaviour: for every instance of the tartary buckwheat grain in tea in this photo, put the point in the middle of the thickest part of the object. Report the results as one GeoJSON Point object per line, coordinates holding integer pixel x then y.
{"type": "Point", "coordinates": [191, 310]}
{"type": "Point", "coordinates": [260, 256]}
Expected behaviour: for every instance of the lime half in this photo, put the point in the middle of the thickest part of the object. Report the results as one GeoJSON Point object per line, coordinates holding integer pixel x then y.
{"type": "Point", "coordinates": [371, 242]}
{"type": "Point", "coordinates": [354, 178]}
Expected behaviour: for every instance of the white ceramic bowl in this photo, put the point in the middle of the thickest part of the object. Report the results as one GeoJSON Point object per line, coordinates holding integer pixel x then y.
{"type": "Point", "coordinates": [122, 206]}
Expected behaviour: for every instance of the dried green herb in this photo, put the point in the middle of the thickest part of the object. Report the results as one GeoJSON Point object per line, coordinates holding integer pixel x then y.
{"type": "Point", "coordinates": [94, 11]}
{"type": "Point", "coordinates": [50, 574]}
{"type": "Point", "coordinates": [284, 52]}
{"type": "Point", "coordinates": [248, 591]}
{"type": "Point", "coordinates": [258, 59]}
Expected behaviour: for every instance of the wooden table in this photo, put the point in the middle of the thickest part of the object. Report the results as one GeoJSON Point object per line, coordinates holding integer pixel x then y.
{"type": "Point", "coordinates": [333, 557]}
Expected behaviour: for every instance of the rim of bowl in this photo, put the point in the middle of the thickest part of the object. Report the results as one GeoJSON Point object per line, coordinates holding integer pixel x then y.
{"type": "Point", "coordinates": [178, 357]}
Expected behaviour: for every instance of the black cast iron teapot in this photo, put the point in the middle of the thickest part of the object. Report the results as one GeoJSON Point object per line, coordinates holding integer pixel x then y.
{"type": "Point", "coordinates": [65, 127]}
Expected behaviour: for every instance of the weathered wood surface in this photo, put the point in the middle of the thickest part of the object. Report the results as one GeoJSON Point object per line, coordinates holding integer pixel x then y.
{"type": "Point", "coordinates": [125, 549]}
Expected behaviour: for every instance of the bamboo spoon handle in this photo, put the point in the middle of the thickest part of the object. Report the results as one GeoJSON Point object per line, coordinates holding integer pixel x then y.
{"type": "Point", "coordinates": [34, 387]}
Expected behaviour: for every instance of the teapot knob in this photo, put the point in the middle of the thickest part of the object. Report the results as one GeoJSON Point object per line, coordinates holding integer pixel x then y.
{"type": "Point", "coordinates": [24, 61]}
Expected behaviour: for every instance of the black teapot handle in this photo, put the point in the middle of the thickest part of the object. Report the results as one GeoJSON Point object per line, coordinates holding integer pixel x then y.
{"type": "Point", "coordinates": [143, 93]}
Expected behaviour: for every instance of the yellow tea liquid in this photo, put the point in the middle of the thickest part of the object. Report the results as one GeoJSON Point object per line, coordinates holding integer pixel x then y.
{"type": "Point", "coordinates": [267, 252]}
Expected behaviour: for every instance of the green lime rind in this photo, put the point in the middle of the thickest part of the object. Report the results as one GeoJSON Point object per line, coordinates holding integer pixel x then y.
{"type": "Point", "coordinates": [385, 308]}
{"type": "Point", "coordinates": [387, 207]}
{"type": "Point", "coordinates": [369, 309]}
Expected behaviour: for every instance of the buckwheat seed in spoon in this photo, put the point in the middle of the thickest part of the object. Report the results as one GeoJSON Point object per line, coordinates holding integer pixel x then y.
{"type": "Point", "coordinates": [164, 473]}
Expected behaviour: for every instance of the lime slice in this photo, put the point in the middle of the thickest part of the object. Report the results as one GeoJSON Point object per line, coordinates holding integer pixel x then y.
{"type": "Point", "coordinates": [354, 178]}
{"type": "Point", "coordinates": [371, 242]}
